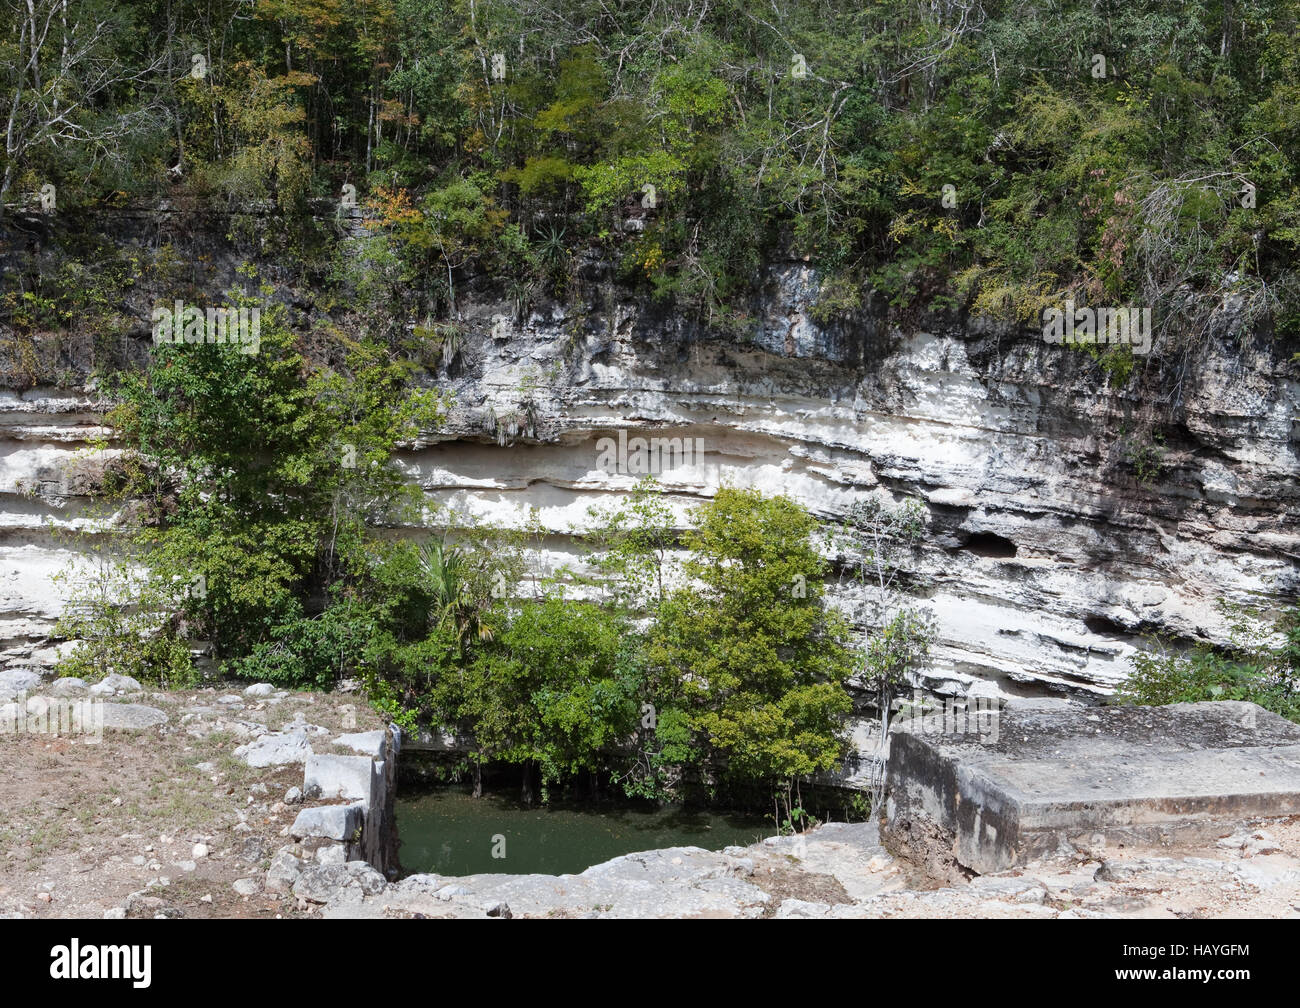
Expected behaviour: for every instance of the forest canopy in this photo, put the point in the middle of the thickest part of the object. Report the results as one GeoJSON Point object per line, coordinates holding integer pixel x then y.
{"type": "Point", "coordinates": [992, 154]}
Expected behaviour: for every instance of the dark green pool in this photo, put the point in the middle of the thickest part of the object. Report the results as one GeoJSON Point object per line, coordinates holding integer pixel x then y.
{"type": "Point", "coordinates": [447, 832]}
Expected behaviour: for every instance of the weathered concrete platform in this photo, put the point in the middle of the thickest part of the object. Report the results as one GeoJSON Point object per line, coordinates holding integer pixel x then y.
{"type": "Point", "coordinates": [1084, 777]}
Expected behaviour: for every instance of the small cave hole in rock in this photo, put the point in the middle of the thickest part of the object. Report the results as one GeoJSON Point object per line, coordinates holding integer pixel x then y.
{"type": "Point", "coordinates": [987, 544]}
{"type": "Point", "coordinates": [1105, 627]}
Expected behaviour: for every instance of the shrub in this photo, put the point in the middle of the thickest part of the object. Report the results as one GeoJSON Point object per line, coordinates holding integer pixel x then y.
{"type": "Point", "coordinates": [123, 621]}
{"type": "Point", "coordinates": [311, 652]}
{"type": "Point", "coordinates": [1254, 668]}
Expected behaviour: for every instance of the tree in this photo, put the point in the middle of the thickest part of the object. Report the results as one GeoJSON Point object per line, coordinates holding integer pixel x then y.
{"type": "Point", "coordinates": [749, 652]}
{"type": "Point", "coordinates": [269, 157]}
{"type": "Point", "coordinates": [552, 695]}
{"type": "Point", "coordinates": [630, 543]}
{"type": "Point", "coordinates": [872, 547]}
{"type": "Point", "coordinates": [70, 82]}
{"type": "Point", "coordinates": [266, 473]}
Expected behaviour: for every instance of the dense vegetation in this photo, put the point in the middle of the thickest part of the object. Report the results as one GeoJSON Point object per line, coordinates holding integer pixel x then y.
{"type": "Point", "coordinates": [251, 507]}
{"type": "Point", "coordinates": [1000, 155]}
{"type": "Point", "coordinates": [993, 157]}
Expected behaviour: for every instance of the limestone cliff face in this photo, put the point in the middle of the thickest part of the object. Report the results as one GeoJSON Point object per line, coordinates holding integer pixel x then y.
{"type": "Point", "coordinates": [1066, 518]}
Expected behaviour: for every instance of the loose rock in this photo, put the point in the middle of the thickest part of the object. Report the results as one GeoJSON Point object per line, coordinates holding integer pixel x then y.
{"type": "Point", "coordinates": [246, 886]}
{"type": "Point", "coordinates": [115, 684]}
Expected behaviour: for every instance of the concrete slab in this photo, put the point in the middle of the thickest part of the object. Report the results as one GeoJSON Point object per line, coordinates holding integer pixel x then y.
{"type": "Point", "coordinates": [1087, 778]}
{"type": "Point", "coordinates": [338, 777]}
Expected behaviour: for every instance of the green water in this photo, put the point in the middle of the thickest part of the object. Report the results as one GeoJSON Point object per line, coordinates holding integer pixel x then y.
{"type": "Point", "coordinates": [447, 832]}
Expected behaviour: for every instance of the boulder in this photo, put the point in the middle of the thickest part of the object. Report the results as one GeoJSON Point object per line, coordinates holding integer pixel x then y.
{"type": "Point", "coordinates": [14, 682]}
{"type": "Point", "coordinates": [51, 656]}
{"type": "Point", "coordinates": [321, 883]}
{"type": "Point", "coordinates": [366, 878]}
{"type": "Point", "coordinates": [370, 743]}
{"type": "Point", "coordinates": [284, 871]}
{"type": "Point", "coordinates": [276, 749]}
{"type": "Point", "coordinates": [792, 909]}
{"type": "Point", "coordinates": [246, 886]}
{"type": "Point", "coordinates": [332, 853]}
{"type": "Point", "coordinates": [115, 684]}
{"type": "Point", "coordinates": [326, 883]}
{"type": "Point", "coordinates": [333, 822]}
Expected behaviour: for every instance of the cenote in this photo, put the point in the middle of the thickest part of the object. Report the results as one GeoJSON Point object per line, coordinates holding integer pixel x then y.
{"type": "Point", "coordinates": [449, 832]}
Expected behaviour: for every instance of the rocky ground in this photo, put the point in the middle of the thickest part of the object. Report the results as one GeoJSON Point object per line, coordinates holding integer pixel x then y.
{"type": "Point", "coordinates": [168, 815]}
{"type": "Point", "coordinates": [159, 816]}
{"type": "Point", "coordinates": [839, 870]}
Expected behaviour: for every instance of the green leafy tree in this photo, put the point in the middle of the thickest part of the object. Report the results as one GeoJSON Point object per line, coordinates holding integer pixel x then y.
{"type": "Point", "coordinates": [630, 545]}
{"type": "Point", "coordinates": [552, 695]}
{"type": "Point", "coordinates": [263, 475]}
{"type": "Point", "coordinates": [749, 652]}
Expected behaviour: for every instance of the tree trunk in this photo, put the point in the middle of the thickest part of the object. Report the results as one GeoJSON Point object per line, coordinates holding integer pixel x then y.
{"type": "Point", "coordinates": [886, 697]}
{"type": "Point", "coordinates": [526, 789]}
